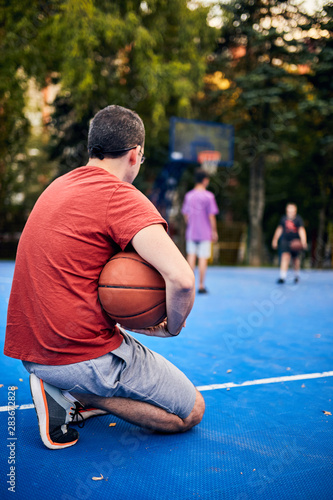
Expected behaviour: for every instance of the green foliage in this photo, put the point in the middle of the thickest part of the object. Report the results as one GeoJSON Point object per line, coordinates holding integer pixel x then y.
{"type": "Point", "coordinates": [149, 56]}
{"type": "Point", "coordinates": [161, 59]}
{"type": "Point", "coordinates": [271, 103]}
{"type": "Point", "coordinates": [14, 127]}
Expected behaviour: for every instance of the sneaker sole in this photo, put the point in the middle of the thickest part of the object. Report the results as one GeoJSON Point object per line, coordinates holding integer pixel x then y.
{"type": "Point", "coordinates": [39, 399]}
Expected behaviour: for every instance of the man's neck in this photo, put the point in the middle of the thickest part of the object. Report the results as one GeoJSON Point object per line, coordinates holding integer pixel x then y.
{"type": "Point", "coordinates": [111, 167]}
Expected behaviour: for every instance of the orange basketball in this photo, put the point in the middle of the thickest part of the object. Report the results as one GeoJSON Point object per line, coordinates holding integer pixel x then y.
{"type": "Point", "coordinates": [132, 291]}
{"type": "Point", "coordinates": [296, 245]}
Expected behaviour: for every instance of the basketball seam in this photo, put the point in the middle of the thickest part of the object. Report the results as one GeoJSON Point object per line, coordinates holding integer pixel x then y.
{"type": "Point", "coordinates": [138, 313]}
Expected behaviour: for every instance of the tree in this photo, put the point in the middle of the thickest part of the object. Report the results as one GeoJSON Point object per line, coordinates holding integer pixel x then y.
{"type": "Point", "coordinates": [258, 55]}
{"type": "Point", "coordinates": [20, 181]}
{"type": "Point", "coordinates": [318, 118]}
{"type": "Point", "coordinates": [13, 126]}
{"type": "Point", "coordinates": [149, 56]}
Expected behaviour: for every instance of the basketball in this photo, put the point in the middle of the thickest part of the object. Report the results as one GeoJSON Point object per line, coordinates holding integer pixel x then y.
{"type": "Point", "coordinates": [132, 291]}
{"type": "Point", "coordinates": [296, 245]}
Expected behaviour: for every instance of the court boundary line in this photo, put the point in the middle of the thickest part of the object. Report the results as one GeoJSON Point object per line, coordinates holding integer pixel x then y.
{"type": "Point", "coordinates": [273, 380]}
{"type": "Point", "coordinates": [213, 387]}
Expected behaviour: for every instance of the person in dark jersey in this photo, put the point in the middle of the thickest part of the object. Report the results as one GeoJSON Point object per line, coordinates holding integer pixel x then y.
{"type": "Point", "coordinates": [290, 236]}
{"type": "Point", "coordinates": [82, 363]}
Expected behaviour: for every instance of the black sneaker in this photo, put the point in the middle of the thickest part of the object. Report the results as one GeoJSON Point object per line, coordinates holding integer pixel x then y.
{"type": "Point", "coordinates": [296, 279]}
{"type": "Point", "coordinates": [202, 290]}
{"type": "Point", "coordinates": [280, 281]}
{"type": "Point", "coordinates": [54, 413]}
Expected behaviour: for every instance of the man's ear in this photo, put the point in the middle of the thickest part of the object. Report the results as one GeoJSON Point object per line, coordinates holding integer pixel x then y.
{"type": "Point", "coordinates": [133, 157]}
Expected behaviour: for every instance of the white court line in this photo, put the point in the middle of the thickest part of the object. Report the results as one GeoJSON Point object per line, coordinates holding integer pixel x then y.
{"type": "Point", "coordinates": [213, 387]}
{"type": "Point", "coordinates": [261, 381]}
{"type": "Point", "coordinates": [16, 407]}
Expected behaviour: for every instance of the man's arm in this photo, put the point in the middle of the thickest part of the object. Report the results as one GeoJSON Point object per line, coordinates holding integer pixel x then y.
{"type": "Point", "coordinates": [302, 235]}
{"type": "Point", "coordinates": [212, 220]}
{"type": "Point", "coordinates": [277, 234]}
{"type": "Point", "coordinates": [156, 247]}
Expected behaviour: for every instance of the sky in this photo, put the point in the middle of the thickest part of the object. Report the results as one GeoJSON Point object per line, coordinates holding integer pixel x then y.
{"type": "Point", "coordinates": [313, 5]}
{"type": "Point", "coordinates": [310, 6]}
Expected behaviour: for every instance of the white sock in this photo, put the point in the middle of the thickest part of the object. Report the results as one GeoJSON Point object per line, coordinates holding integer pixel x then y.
{"type": "Point", "coordinates": [70, 397]}
{"type": "Point", "coordinates": [283, 275]}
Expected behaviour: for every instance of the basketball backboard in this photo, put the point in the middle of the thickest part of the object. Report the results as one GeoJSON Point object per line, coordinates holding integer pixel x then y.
{"type": "Point", "coordinates": [190, 137]}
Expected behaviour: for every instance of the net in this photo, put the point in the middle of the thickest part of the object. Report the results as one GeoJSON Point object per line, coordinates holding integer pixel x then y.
{"type": "Point", "coordinates": [209, 161]}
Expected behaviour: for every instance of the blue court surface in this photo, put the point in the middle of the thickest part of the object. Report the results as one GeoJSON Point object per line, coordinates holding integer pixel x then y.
{"type": "Point", "coordinates": [262, 355]}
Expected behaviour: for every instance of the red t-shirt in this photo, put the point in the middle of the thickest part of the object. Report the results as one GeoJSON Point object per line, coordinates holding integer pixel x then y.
{"type": "Point", "coordinates": [79, 222]}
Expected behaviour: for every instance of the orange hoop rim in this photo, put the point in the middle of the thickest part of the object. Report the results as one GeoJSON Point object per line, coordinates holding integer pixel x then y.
{"type": "Point", "coordinates": [209, 156]}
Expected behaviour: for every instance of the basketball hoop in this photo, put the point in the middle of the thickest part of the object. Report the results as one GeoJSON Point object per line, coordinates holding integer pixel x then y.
{"type": "Point", "coordinates": [209, 161]}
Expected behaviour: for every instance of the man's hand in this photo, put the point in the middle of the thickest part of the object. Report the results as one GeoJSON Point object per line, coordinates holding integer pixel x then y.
{"type": "Point", "coordinates": [276, 237]}
{"type": "Point", "coordinates": [160, 330]}
{"type": "Point", "coordinates": [215, 236]}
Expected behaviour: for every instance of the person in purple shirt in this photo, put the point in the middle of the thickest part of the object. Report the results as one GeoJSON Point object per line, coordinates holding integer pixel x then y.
{"type": "Point", "coordinates": [199, 210]}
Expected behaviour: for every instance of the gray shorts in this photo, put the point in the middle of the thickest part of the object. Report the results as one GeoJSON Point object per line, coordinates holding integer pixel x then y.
{"type": "Point", "coordinates": [202, 249]}
{"type": "Point", "coordinates": [131, 371]}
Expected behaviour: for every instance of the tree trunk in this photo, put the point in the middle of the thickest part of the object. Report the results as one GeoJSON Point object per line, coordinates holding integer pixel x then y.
{"type": "Point", "coordinates": [256, 210]}
{"type": "Point", "coordinates": [320, 243]}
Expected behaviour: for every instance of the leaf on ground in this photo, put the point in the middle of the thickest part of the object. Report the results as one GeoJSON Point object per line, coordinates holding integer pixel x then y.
{"type": "Point", "coordinates": [327, 412]}
{"type": "Point", "coordinates": [97, 478]}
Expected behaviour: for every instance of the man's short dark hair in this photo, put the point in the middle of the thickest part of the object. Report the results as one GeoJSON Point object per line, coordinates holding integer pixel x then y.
{"type": "Point", "coordinates": [200, 175]}
{"type": "Point", "coordinates": [114, 131]}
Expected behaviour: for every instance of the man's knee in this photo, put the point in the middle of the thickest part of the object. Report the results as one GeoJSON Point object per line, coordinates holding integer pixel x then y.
{"type": "Point", "coordinates": [196, 414]}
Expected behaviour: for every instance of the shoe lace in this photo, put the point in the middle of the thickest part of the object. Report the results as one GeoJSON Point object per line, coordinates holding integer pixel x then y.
{"type": "Point", "coordinates": [76, 413]}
